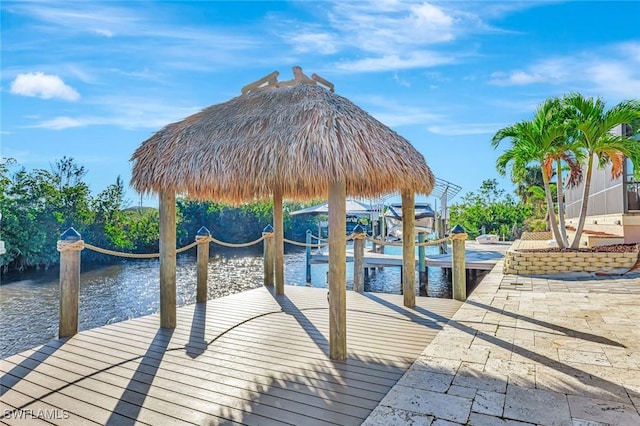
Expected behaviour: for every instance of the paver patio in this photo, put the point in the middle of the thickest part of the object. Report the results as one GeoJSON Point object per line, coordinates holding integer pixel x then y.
{"type": "Point", "coordinates": [561, 350]}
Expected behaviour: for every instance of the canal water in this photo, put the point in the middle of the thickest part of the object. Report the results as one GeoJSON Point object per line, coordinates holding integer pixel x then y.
{"type": "Point", "coordinates": [129, 289]}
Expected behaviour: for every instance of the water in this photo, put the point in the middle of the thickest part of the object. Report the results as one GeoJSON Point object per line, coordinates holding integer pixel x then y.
{"type": "Point", "coordinates": [129, 289]}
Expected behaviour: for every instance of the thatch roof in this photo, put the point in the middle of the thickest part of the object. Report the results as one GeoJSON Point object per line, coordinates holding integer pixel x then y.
{"type": "Point", "coordinates": [296, 138]}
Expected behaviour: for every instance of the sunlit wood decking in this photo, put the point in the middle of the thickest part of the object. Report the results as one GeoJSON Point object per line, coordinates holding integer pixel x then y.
{"type": "Point", "coordinates": [250, 358]}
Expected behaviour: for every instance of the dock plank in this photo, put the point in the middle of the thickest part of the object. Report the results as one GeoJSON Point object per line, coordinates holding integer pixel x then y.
{"type": "Point", "coordinates": [248, 358]}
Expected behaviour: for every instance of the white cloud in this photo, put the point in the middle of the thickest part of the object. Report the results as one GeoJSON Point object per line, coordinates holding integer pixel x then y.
{"type": "Point", "coordinates": [615, 78]}
{"type": "Point", "coordinates": [553, 71]}
{"type": "Point", "coordinates": [104, 33]}
{"type": "Point", "coordinates": [402, 82]}
{"type": "Point", "coordinates": [419, 59]}
{"type": "Point", "coordinates": [386, 35]}
{"type": "Point", "coordinates": [463, 129]}
{"type": "Point", "coordinates": [59, 123]}
{"type": "Point", "coordinates": [395, 114]}
{"type": "Point", "coordinates": [124, 112]}
{"type": "Point", "coordinates": [144, 27]}
{"type": "Point", "coordinates": [320, 42]}
{"type": "Point", "coordinates": [45, 86]}
{"type": "Point", "coordinates": [610, 71]}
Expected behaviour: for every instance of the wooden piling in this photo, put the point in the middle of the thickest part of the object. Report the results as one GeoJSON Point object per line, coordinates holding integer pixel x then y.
{"type": "Point", "coordinates": [69, 246]}
{"type": "Point", "coordinates": [458, 273]}
{"type": "Point", "coordinates": [308, 256]}
{"type": "Point", "coordinates": [167, 259]}
{"type": "Point", "coordinates": [337, 271]}
{"type": "Point", "coordinates": [358, 260]}
{"type": "Point", "coordinates": [408, 249]}
{"type": "Point", "coordinates": [278, 225]}
{"type": "Point", "coordinates": [422, 273]}
{"type": "Point", "coordinates": [268, 255]}
{"type": "Point", "coordinates": [203, 238]}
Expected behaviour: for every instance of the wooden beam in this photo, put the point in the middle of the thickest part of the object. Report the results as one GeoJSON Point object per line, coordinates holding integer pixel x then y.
{"type": "Point", "coordinates": [69, 292]}
{"type": "Point", "coordinates": [203, 269]}
{"type": "Point", "coordinates": [268, 256]}
{"type": "Point", "coordinates": [337, 271]}
{"type": "Point", "coordinates": [422, 270]}
{"type": "Point", "coordinates": [321, 80]}
{"type": "Point", "coordinates": [167, 259]}
{"type": "Point", "coordinates": [278, 246]}
{"type": "Point", "coordinates": [458, 274]}
{"type": "Point", "coordinates": [358, 262]}
{"type": "Point", "coordinates": [271, 79]}
{"type": "Point", "coordinates": [408, 249]}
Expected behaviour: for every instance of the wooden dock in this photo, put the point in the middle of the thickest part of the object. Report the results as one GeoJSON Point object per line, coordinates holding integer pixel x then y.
{"type": "Point", "coordinates": [250, 358]}
{"type": "Point", "coordinates": [482, 257]}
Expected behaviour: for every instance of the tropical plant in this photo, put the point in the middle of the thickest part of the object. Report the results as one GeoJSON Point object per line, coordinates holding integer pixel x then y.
{"type": "Point", "coordinates": [593, 125]}
{"type": "Point", "coordinates": [489, 210]}
{"type": "Point", "coordinates": [538, 141]}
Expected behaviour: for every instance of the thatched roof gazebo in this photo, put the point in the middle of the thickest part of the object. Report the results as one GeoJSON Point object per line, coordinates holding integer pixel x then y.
{"type": "Point", "coordinates": [287, 140]}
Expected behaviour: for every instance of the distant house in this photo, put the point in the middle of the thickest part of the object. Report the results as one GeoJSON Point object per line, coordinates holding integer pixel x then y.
{"type": "Point", "coordinates": [613, 214]}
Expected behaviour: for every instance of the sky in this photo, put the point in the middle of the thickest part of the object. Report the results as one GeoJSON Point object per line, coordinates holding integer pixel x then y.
{"type": "Point", "coordinates": [92, 80]}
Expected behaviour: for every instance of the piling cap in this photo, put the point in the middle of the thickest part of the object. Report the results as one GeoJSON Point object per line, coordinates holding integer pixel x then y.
{"type": "Point", "coordinates": [268, 228]}
{"type": "Point", "coordinates": [203, 232]}
{"type": "Point", "coordinates": [458, 229]}
{"type": "Point", "coordinates": [70, 235]}
{"type": "Point", "coordinates": [358, 229]}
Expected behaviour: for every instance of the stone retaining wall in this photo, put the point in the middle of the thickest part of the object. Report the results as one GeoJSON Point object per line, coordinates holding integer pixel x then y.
{"type": "Point", "coordinates": [538, 263]}
{"type": "Point", "coordinates": [536, 236]}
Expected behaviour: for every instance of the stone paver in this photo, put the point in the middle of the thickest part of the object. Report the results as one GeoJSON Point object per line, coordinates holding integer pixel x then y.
{"type": "Point", "coordinates": [561, 350]}
{"type": "Point", "coordinates": [607, 412]}
{"type": "Point", "coordinates": [547, 408]}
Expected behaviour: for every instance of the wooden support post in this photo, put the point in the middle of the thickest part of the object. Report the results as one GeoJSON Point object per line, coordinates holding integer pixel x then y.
{"type": "Point", "coordinates": [358, 259]}
{"type": "Point", "coordinates": [383, 231]}
{"type": "Point", "coordinates": [167, 259]}
{"type": "Point", "coordinates": [278, 225]}
{"type": "Point", "coordinates": [458, 274]}
{"type": "Point", "coordinates": [374, 230]}
{"type": "Point", "coordinates": [408, 249]}
{"type": "Point", "coordinates": [203, 237]}
{"type": "Point", "coordinates": [268, 255]}
{"type": "Point", "coordinates": [69, 245]}
{"type": "Point", "coordinates": [422, 272]}
{"type": "Point", "coordinates": [337, 271]}
{"type": "Point", "coordinates": [308, 256]}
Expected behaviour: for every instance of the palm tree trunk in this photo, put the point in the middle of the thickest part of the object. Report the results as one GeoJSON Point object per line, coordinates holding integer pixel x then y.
{"type": "Point", "coordinates": [585, 203]}
{"type": "Point", "coordinates": [561, 224]}
{"type": "Point", "coordinates": [551, 211]}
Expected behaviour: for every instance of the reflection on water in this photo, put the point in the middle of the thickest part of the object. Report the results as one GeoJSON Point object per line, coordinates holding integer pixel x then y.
{"type": "Point", "coordinates": [29, 302]}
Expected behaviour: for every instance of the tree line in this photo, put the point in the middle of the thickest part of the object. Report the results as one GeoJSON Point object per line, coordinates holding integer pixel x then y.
{"type": "Point", "coordinates": [40, 204]}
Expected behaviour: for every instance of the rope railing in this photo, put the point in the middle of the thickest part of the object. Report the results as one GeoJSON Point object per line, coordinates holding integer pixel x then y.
{"type": "Point", "coordinates": [399, 244]}
{"type": "Point", "coordinates": [81, 245]}
{"type": "Point", "coordinates": [304, 244]}
{"type": "Point", "coordinates": [238, 245]}
{"type": "Point", "coordinates": [318, 245]}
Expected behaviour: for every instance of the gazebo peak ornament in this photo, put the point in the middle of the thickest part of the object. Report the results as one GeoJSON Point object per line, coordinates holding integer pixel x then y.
{"type": "Point", "coordinates": [271, 81]}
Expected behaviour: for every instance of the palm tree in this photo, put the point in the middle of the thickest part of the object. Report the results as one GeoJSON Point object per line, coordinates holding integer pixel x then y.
{"type": "Point", "coordinates": [528, 178]}
{"type": "Point", "coordinates": [593, 127]}
{"type": "Point", "coordinates": [536, 141]}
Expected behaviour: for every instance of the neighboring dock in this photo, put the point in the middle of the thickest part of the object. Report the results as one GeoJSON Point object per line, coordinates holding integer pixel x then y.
{"type": "Point", "coordinates": [481, 257]}
{"type": "Point", "coordinates": [250, 358]}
